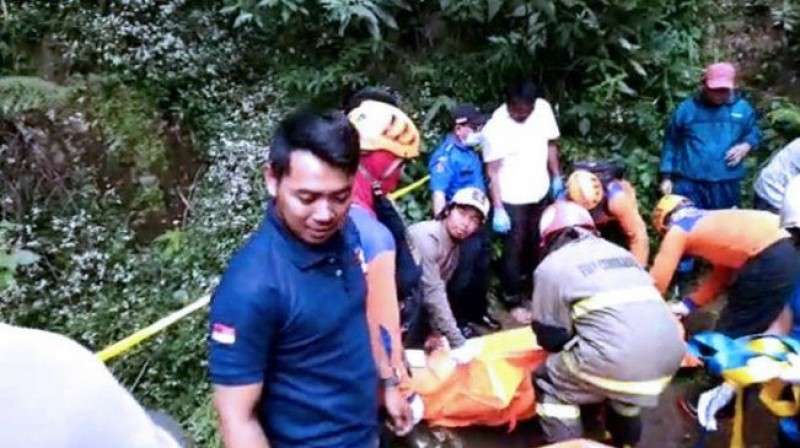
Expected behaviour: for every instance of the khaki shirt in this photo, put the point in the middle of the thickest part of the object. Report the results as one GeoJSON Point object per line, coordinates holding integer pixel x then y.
{"type": "Point", "coordinates": [439, 254]}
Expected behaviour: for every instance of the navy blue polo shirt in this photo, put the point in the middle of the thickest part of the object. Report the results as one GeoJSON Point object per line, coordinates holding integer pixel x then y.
{"type": "Point", "coordinates": [454, 166]}
{"type": "Point", "coordinates": [293, 317]}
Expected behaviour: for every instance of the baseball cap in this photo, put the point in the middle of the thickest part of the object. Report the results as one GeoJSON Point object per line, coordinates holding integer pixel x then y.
{"type": "Point", "coordinates": [720, 76]}
{"type": "Point", "coordinates": [472, 197]}
{"type": "Point", "coordinates": [467, 114]}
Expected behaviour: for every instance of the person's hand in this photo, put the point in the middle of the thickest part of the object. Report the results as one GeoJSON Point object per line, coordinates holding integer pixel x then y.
{"type": "Point", "coordinates": [417, 408]}
{"type": "Point", "coordinates": [467, 352]}
{"type": "Point", "coordinates": [711, 402]}
{"type": "Point", "coordinates": [501, 222]}
{"type": "Point", "coordinates": [399, 410]}
{"type": "Point", "coordinates": [736, 154]}
{"type": "Point", "coordinates": [682, 309]}
{"type": "Point", "coordinates": [666, 186]}
{"type": "Point", "coordinates": [791, 374]}
{"type": "Point", "coordinates": [557, 187]}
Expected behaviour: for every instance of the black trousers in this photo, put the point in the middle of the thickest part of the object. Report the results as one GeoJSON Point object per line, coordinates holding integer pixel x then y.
{"type": "Point", "coordinates": [760, 291]}
{"type": "Point", "coordinates": [521, 251]}
{"type": "Point", "coordinates": [469, 285]}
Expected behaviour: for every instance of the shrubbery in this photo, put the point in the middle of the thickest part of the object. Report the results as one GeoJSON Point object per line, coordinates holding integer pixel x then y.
{"type": "Point", "coordinates": [129, 183]}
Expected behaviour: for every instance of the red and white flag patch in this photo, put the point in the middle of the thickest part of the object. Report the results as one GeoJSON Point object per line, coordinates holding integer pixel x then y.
{"type": "Point", "coordinates": [223, 334]}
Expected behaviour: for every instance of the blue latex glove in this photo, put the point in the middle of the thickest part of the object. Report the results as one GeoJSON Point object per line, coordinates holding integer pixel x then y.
{"type": "Point", "coordinates": [557, 188]}
{"type": "Point", "coordinates": [501, 223]}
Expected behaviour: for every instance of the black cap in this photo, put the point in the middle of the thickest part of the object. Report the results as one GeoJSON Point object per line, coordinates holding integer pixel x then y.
{"type": "Point", "coordinates": [467, 114]}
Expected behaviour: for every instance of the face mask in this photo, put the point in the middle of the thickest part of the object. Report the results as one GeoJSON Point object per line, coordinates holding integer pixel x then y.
{"type": "Point", "coordinates": [474, 139]}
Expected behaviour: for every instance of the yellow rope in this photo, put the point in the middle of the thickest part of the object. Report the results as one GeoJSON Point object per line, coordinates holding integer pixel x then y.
{"type": "Point", "coordinates": [126, 344]}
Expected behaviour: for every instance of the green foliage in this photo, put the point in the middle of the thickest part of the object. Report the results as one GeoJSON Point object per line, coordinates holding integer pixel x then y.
{"type": "Point", "coordinates": [129, 124]}
{"type": "Point", "coordinates": [12, 258]}
{"type": "Point", "coordinates": [216, 76]}
{"type": "Point", "coordinates": [20, 94]}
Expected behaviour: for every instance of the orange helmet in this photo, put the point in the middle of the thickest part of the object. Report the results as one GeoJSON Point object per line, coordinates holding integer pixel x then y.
{"type": "Point", "coordinates": [383, 127]}
{"type": "Point", "coordinates": [585, 188]}
{"type": "Point", "coordinates": [665, 207]}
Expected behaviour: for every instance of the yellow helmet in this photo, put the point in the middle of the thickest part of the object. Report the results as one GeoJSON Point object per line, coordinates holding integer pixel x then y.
{"type": "Point", "coordinates": [585, 188]}
{"type": "Point", "coordinates": [666, 205]}
{"type": "Point", "coordinates": [384, 127]}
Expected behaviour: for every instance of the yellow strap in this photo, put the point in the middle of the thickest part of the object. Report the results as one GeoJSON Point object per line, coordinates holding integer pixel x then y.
{"type": "Point", "coordinates": [771, 393]}
{"type": "Point", "coordinates": [650, 387]}
{"type": "Point", "coordinates": [558, 411]}
{"type": "Point", "coordinates": [614, 298]}
{"type": "Point", "coordinates": [737, 438]}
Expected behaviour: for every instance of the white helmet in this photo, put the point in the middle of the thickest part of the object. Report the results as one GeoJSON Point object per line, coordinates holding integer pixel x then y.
{"type": "Point", "coordinates": [472, 197]}
{"type": "Point", "coordinates": [790, 211]}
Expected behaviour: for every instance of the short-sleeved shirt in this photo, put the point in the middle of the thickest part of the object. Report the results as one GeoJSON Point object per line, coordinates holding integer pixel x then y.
{"type": "Point", "coordinates": [453, 166]}
{"type": "Point", "coordinates": [522, 150]}
{"type": "Point", "coordinates": [292, 316]}
{"type": "Point", "coordinates": [773, 179]}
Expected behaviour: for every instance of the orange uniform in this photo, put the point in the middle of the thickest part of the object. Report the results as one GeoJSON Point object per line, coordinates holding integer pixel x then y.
{"type": "Point", "coordinates": [621, 206]}
{"type": "Point", "coordinates": [725, 238]}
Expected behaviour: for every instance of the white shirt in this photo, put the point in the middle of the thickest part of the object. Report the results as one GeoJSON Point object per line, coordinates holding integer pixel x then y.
{"type": "Point", "coordinates": [56, 394]}
{"type": "Point", "coordinates": [771, 182]}
{"type": "Point", "coordinates": [522, 149]}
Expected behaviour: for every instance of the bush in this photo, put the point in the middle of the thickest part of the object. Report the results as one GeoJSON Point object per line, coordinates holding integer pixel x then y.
{"type": "Point", "coordinates": [128, 227]}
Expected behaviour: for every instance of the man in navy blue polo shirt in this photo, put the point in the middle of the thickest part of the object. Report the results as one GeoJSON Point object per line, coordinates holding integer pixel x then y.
{"type": "Point", "coordinates": [454, 165]}
{"type": "Point", "coordinates": [290, 356]}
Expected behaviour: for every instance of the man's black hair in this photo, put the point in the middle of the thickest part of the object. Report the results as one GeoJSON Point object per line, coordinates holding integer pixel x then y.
{"type": "Point", "coordinates": [328, 135]}
{"type": "Point", "coordinates": [370, 93]}
{"type": "Point", "coordinates": [522, 91]}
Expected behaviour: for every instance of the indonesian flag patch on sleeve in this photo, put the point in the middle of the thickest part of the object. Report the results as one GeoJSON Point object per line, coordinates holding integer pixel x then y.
{"type": "Point", "coordinates": [223, 334]}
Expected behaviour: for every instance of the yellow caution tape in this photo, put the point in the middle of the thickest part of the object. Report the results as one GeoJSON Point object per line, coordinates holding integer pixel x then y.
{"type": "Point", "coordinates": [135, 339]}
{"type": "Point", "coordinates": [408, 188]}
{"type": "Point", "coordinates": [118, 348]}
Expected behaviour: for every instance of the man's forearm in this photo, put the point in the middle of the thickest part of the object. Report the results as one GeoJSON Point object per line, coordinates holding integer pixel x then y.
{"type": "Point", "coordinates": [492, 169]}
{"type": "Point", "coordinates": [439, 202]}
{"type": "Point", "coordinates": [243, 434]}
{"type": "Point", "coordinates": [553, 162]}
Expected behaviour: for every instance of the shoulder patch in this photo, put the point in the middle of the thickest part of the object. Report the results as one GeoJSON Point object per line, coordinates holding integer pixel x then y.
{"type": "Point", "coordinates": [687, 218]}
{"type": "Point", "coordinates": [441, 164]}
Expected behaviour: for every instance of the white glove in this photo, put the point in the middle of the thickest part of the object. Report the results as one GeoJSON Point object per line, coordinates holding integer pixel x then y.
{"type": "Point", "coordinates": [680, 309]}
{"type": "Point", "coordinates": [467, 352]}
{"type": "Point", "coordinates": [711, 402]}
{"type": "Point", "coordinates": [666, 186]}
{"type": "Point", "coordinates": [792, 373]}
{"type": "Point", "coordinates": [417, 408]}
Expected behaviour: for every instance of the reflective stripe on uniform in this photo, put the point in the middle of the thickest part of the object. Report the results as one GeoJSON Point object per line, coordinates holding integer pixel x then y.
{"type": "Point", "coordinates": [648, 387]}
{"type": "Point", "coordinates": [614, 298]}
{"type": "Point", "coordinates": [625, 409]}
{"type": "Point", "coordinates": [558, 411]}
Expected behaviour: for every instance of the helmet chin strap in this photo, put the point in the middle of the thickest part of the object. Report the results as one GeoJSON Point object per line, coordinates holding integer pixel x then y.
{"type": "Point", "coordinates": [377, 183]}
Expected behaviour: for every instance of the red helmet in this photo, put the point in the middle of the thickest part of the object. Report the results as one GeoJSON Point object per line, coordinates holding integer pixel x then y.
{"type": "Point", "coordinates": [562, 215]}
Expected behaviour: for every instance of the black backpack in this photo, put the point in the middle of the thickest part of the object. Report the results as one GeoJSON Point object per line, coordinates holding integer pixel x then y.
{"type": "Point", "coordinates": [605, 170]}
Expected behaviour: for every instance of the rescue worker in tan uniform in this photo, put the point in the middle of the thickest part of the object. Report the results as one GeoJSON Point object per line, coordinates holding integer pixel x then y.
{"type": "Point", "coordinates": [611, 337]}
{"type": "Point", "coordinates": [438, 244]}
